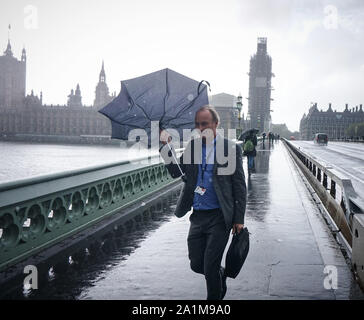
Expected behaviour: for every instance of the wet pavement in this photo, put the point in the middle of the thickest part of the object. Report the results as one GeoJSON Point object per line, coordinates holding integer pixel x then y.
{"type": "Point", "coordinates": [293, 254]}
{"type": "Point", "coordinates": [346, 157]}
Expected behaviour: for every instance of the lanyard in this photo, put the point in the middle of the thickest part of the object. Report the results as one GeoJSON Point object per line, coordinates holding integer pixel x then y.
{"type": "Point", "coordinates": [203, 168]}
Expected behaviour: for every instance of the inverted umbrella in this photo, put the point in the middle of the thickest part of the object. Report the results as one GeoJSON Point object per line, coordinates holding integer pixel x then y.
{"type": "Point", "coordinates": [165, 96]}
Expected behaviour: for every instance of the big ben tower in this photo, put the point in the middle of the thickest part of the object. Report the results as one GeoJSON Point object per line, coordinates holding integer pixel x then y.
{"type": "Point", "coordinates": [260, 77]}
{"type": "Point", "coordinates": [102, 96]}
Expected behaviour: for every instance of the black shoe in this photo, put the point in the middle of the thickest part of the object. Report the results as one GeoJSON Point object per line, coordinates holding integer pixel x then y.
{"type": "Point", "coordinates": [223, 282]}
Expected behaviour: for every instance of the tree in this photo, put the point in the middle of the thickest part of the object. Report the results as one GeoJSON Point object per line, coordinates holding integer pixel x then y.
{"type": "Point", "coordinates": [355, 130]}
{"type": "Point", "coordinates": [283, 131]}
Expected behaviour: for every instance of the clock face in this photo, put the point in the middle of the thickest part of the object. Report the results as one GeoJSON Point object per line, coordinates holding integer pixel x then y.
{"type": "Point", "coordinates": [260, 82]}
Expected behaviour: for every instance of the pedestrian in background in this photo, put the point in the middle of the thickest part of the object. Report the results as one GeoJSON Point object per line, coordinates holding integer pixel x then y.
{"type": "Point", "coordinates": [250, 143]}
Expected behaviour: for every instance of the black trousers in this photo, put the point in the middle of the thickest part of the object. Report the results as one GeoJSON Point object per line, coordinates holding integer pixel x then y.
{"type": "Point", "coordinates": [207, 239]}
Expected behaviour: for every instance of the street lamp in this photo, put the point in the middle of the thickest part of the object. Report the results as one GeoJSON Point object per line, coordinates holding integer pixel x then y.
{"type": "Point", "coordinates": [239, 106]}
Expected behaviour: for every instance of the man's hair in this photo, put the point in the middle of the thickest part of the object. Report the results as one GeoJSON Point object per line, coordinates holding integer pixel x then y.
{"type": "Point", "coordinates": [211, 109]}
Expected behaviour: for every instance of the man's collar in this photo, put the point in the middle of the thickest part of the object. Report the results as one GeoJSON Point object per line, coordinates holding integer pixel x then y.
{"type": "Point", "coordinates": [217, 137]}
{"type": "Point", "coordinates": [211, 143]}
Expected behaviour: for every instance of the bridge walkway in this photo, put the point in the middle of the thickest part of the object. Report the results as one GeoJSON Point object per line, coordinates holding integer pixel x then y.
{"type": "Point", "coordinates": [292, 254]}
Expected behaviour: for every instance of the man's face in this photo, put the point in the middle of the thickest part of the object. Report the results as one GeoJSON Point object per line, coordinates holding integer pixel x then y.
{"type": "Point", "coordinates": [205, 121]}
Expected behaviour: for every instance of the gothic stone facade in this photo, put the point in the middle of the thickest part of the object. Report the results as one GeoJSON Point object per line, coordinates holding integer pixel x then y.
{"type": "Point", "coordinates": [12, 78]}
{"type": "Point", "coordinates": [26, 115]}
{"type": "Point", "coordinates": [330, 122]}
{"type": "Point", "coordinates": [260, 76]}
{"type": "Point", "coordinates": [225, 105]}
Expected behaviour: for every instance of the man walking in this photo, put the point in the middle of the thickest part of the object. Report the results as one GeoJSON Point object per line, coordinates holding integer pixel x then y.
{"type": "Point", "coordinates": [250, 143]}
{"type": "Point", "coordinates": [217, 196]}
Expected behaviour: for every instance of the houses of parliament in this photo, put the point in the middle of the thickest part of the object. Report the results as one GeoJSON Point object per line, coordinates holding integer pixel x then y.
{"type": "Point", "coordinates": [25, 117]}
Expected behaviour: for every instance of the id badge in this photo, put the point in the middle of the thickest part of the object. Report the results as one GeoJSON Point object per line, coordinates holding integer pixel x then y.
{"type": "Point", "coordinates": [201, 191]}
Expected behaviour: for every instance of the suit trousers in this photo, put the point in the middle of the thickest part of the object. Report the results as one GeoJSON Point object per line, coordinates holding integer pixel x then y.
{"type": "Point", "coordinates": [207, 239]}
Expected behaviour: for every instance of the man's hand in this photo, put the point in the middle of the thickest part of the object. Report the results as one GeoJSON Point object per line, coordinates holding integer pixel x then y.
{"type": "Point", "coordinates": [237, 228]}
{"type": "Point", "coordinates": [164, 136]}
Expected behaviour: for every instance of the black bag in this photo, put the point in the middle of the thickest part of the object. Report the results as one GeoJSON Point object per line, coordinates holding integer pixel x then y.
{"type": "Point", "coordinates": [237, 253]}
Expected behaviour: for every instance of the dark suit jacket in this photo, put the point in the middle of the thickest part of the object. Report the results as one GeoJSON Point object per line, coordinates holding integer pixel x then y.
{"type": "Point", "coordinates": [230, 188]}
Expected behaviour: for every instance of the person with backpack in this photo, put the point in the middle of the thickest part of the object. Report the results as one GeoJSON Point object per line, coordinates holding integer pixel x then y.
{"type": "Point", "coordinates": [249, 145]}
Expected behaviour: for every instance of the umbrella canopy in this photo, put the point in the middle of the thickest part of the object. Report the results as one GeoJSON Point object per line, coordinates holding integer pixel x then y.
{"type": "Point", "coordinates": [237, 253]}
{"type": "Point", "coordinates": [248, 132]}
{"type": "Point", "coordinates": [165, 96]}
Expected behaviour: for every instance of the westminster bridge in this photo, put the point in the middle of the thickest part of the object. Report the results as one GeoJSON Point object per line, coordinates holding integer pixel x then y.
{"type": "Point", "coordinates": [108, 231]}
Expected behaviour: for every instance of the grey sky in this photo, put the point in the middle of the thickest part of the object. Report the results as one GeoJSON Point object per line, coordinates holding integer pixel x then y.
{"type": "Point", "coordinates": [318, 55]}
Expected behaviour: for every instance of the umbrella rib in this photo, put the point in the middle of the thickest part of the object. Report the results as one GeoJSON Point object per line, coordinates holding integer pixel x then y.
{"type": "Point", "coordinates": [165, 97]}
{"type": "Point", "coordinates": [190, 105]}
{"type": "Point", "coordinates": [123, 124]}
{"type": "Point", "coordinates": [141, 94]}
{"type": "Point", "coordinates": [184, 109]}
{"type": "Point", "coordinates": [146, 115]}
{"type": "Point", "coordinates": [176, 105]}
{"type": "Point", "coordinates": [187, 106]}
{"type": "Point", "coordinates": [134, 102]}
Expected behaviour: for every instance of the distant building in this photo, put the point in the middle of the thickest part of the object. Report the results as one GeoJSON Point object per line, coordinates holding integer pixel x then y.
{"type": "Point", "coordinates": [333, 123]}
{"type": "Point", "coordinates": [260, 76]}
{"type": "Point", "coordinates": [25, 116]}
{"type": "Point", "coordinates": [12, 78]}
{"type": "Point", "coordinates": [225, 105]}
{"type": "Point", "coordinates": [75, 98]}
{"type": "Point", "coordinates": [102, 96]}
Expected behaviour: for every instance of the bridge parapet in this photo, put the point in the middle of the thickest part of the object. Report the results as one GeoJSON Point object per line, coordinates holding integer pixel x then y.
{"type": "Point", "coordinates": [39, 212]}
{"type": "Point", "coordinates": [340, 199]}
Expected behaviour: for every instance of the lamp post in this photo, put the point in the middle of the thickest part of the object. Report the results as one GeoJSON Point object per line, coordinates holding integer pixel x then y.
{"type": "Point", "coordinates": [239, 106]}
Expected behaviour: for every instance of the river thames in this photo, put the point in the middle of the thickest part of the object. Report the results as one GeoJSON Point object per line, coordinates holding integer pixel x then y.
{"type": "Point", "coordinates": [21, 160]}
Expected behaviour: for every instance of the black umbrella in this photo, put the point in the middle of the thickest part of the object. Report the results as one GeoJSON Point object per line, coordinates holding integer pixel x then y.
{"type": "Point", "coordinates": [237, 253]}
{"type": "Point", "coordinates": [247, 133]}
{"type": "Point", "coordinates": [165, 96]}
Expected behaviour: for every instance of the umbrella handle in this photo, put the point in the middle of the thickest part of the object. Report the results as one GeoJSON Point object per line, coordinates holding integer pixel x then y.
{"type": "Point", "coordinates": [199, 85]}
{"type": "Point", "coordinates": [175, 159]}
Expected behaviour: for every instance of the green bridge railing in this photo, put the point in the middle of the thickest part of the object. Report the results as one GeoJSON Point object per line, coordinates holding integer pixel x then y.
{"type": "Point", "coordinates": [39, 212]}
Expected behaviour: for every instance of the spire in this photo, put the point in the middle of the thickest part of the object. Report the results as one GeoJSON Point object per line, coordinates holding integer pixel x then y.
{"type": "Point", "coordinates": [78, 91]}
{"type": "Point", "coordinates": [8, 51]}
{"type": "Point", "coordinates": [23, 55]}
{"type": "Point", "coordinates": [102, 77]}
